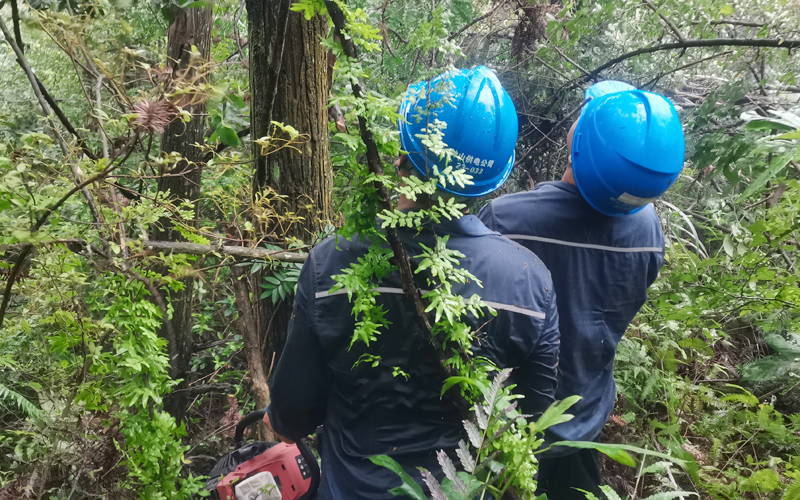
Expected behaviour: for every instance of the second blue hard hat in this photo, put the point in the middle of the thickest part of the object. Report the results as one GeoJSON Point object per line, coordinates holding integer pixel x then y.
{"type": "Point", "coordinates": [627, 149]}
{"type": "Point", "coordinates": [481, 126]}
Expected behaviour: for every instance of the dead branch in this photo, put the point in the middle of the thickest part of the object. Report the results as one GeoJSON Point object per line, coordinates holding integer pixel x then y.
{"type": "Point", "coordinates": [231, 251]}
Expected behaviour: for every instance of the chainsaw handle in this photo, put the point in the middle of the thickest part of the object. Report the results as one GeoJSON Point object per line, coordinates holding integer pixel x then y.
{"type": "Point", "coordinates": [244, 423]}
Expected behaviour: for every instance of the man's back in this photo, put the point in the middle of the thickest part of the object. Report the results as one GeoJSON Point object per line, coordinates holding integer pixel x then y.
{"type": "Point", "coordinates": [366, 410]}
{"type": "Point", "coordinates": [601, 268]}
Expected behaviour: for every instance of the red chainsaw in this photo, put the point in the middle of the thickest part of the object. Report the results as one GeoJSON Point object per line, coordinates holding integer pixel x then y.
{"type": "Point", "coordinates": [264, 471]}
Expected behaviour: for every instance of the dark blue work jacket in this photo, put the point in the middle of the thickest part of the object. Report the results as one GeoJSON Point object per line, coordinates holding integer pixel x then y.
{"type": "Point", "coordinates": [601, 268]}
{"type": "Point", "coordinates": [366, 411]}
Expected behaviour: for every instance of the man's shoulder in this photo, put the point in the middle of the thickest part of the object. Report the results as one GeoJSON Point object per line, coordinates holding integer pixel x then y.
{"type": "Point", "coordinates": [548, 200]}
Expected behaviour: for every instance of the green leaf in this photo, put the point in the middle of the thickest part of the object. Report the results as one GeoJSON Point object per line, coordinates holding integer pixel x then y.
{"type": "Point", "coordinates": [7, 394]}
{"type": "Point", "coordinates": [766, 125]}
{"type": "Point", "coordinates": [790, 136]}
{"type": "Point", "coordinates": [614, 451]}
{"type": "Point", "coordinates": [451, 381]}
{"type": "Point", "coordinates": [555, 414]}
{"type": "Point", "coordinates": [774, 167]}
{"type": "Point", "coordinates": [726, 10]}
{"type": "Point", "coordinates": [609, 492]}
{"type": "Point", "coordinates": [727, 245]}
{"type": "Point", "coordinates": [228, 136]}
{"type": "Point", "coordinates": [236, 100]}
{"type": "Point", "coordinates": [409, 488]}
{"type": "Point", "coordinates": [762, 481]}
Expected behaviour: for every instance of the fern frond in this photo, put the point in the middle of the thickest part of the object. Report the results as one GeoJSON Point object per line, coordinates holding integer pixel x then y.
{"type": "Point", "coordinates": [9, 395]}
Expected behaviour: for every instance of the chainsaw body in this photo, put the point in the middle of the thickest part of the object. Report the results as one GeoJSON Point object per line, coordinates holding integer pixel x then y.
{"type": "Point", "coordinates": [264, 471]}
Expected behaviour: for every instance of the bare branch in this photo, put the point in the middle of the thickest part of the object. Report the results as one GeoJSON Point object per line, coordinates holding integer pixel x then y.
{"type": "Point", "coordinates": [685, 66]}
{"type": "Point", "coordinates": [240, 252]}
{"type": "Point", "coordinates": [218, 387]}
{"type": "Point", "coordinates": [714, 42]}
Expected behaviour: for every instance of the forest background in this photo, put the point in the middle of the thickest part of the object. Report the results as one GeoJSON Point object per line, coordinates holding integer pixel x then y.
{"type": "Point", "coordinates": [166, 165]}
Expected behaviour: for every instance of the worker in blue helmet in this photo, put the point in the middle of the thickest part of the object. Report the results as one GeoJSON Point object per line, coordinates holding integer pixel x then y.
{"type": "Point", "coordinates": [597, 232]}
{"type": "Point", "coordinates": [366, 410]}
{"type": "Point", "coordinates": [481, 129]}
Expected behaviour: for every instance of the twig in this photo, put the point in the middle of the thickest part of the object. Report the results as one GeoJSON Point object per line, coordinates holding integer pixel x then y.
{"type": "Point", "coordinates": [23, 62]}
{"type": "Point", "coordinates": [475, 21]}
{"type": "Point", "coordinates": [555, 127]}
{"type": "Point", "coordinates": [567, 58]}
{"type": "Point", "coordinates": [218, 387]}
{"type": "Point", "coordinates": [666, 20]}
{"type": "Point", "coordinates": [689, 65]}
{"type": "Point", "coordinates": [711, 222]}
{"type": "Point", "coordinates": [413, 68]}
{"type": "Point", "coordinates": [396, 34]}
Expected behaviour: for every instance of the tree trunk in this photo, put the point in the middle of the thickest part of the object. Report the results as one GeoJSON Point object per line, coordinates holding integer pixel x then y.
{"type": "Point", "coordinates": [191, 27]}
{"type": "Point", "coordinates": [292, 89]}
{"type": "Point", "coordinates": [304, 176]}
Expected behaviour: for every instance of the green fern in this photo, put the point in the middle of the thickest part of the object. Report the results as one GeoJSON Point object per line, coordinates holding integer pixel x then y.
{"type": "Point", "coordinates": [9, 395]}
{"type": "Point", "coordinates": [792, 492]}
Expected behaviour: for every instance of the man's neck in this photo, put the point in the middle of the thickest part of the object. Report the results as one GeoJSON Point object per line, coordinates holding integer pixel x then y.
{"type": "Point", "coordinates": [568, 177]}
{"type": "Point", "coordinates": [407, 204]}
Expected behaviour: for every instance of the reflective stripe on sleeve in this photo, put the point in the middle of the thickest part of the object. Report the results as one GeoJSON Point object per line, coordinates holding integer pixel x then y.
{"type": "Point", "coordinates": [399, 291]}
{"type": "Point", "coordinates": [583, 245]}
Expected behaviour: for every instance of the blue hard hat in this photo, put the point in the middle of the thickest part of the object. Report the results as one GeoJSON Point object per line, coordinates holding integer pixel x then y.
{"type": "Point", "coordinates": [606, 87]}
{"type": "Point", "coordinates": [481, 126]}
{"type": "Point", "coordinates": [627, 150]}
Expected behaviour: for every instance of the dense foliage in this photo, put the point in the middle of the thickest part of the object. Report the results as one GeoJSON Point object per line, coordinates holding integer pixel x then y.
{"type": "Point", "coordinates": [708, 373]}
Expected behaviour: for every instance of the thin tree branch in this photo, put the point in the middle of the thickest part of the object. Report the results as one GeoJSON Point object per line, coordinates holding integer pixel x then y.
{"type": "Point", "coordinates": [26, 67]}
{"type": "Point", "coordinates": [716, 226]}
{"type": "Point", "coordinates": [401, 256]}
{"type": "Point", "coordinates": [714, 42]}
{"type": "Point", "coordinates": [29, 73]}
{"type": "Point", "coordinates": [181, 247]}
{"type": "Point", "coordinates": [15, 21]}
{"type": "Point", "coordinates": [396, 34]}
{"type": "Point", "coordinates": [567, 58]}
{"type": "Point", "coordinates": [689, 65]}
{"type": "Point", "coordinates": [217, 387]}
{"type": "Point", "coordinates": [47, 97]}
{"type": "Point", "coordinates": [666, 20]}
{"type": "Point", "coordinates": [555, 127]}
{"type": "Point", "coordinates": [475, 21]}
{"type": "Point", "coordinates": [233, 251]}
{"type": "Point", "coordinates": [749, 24]}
